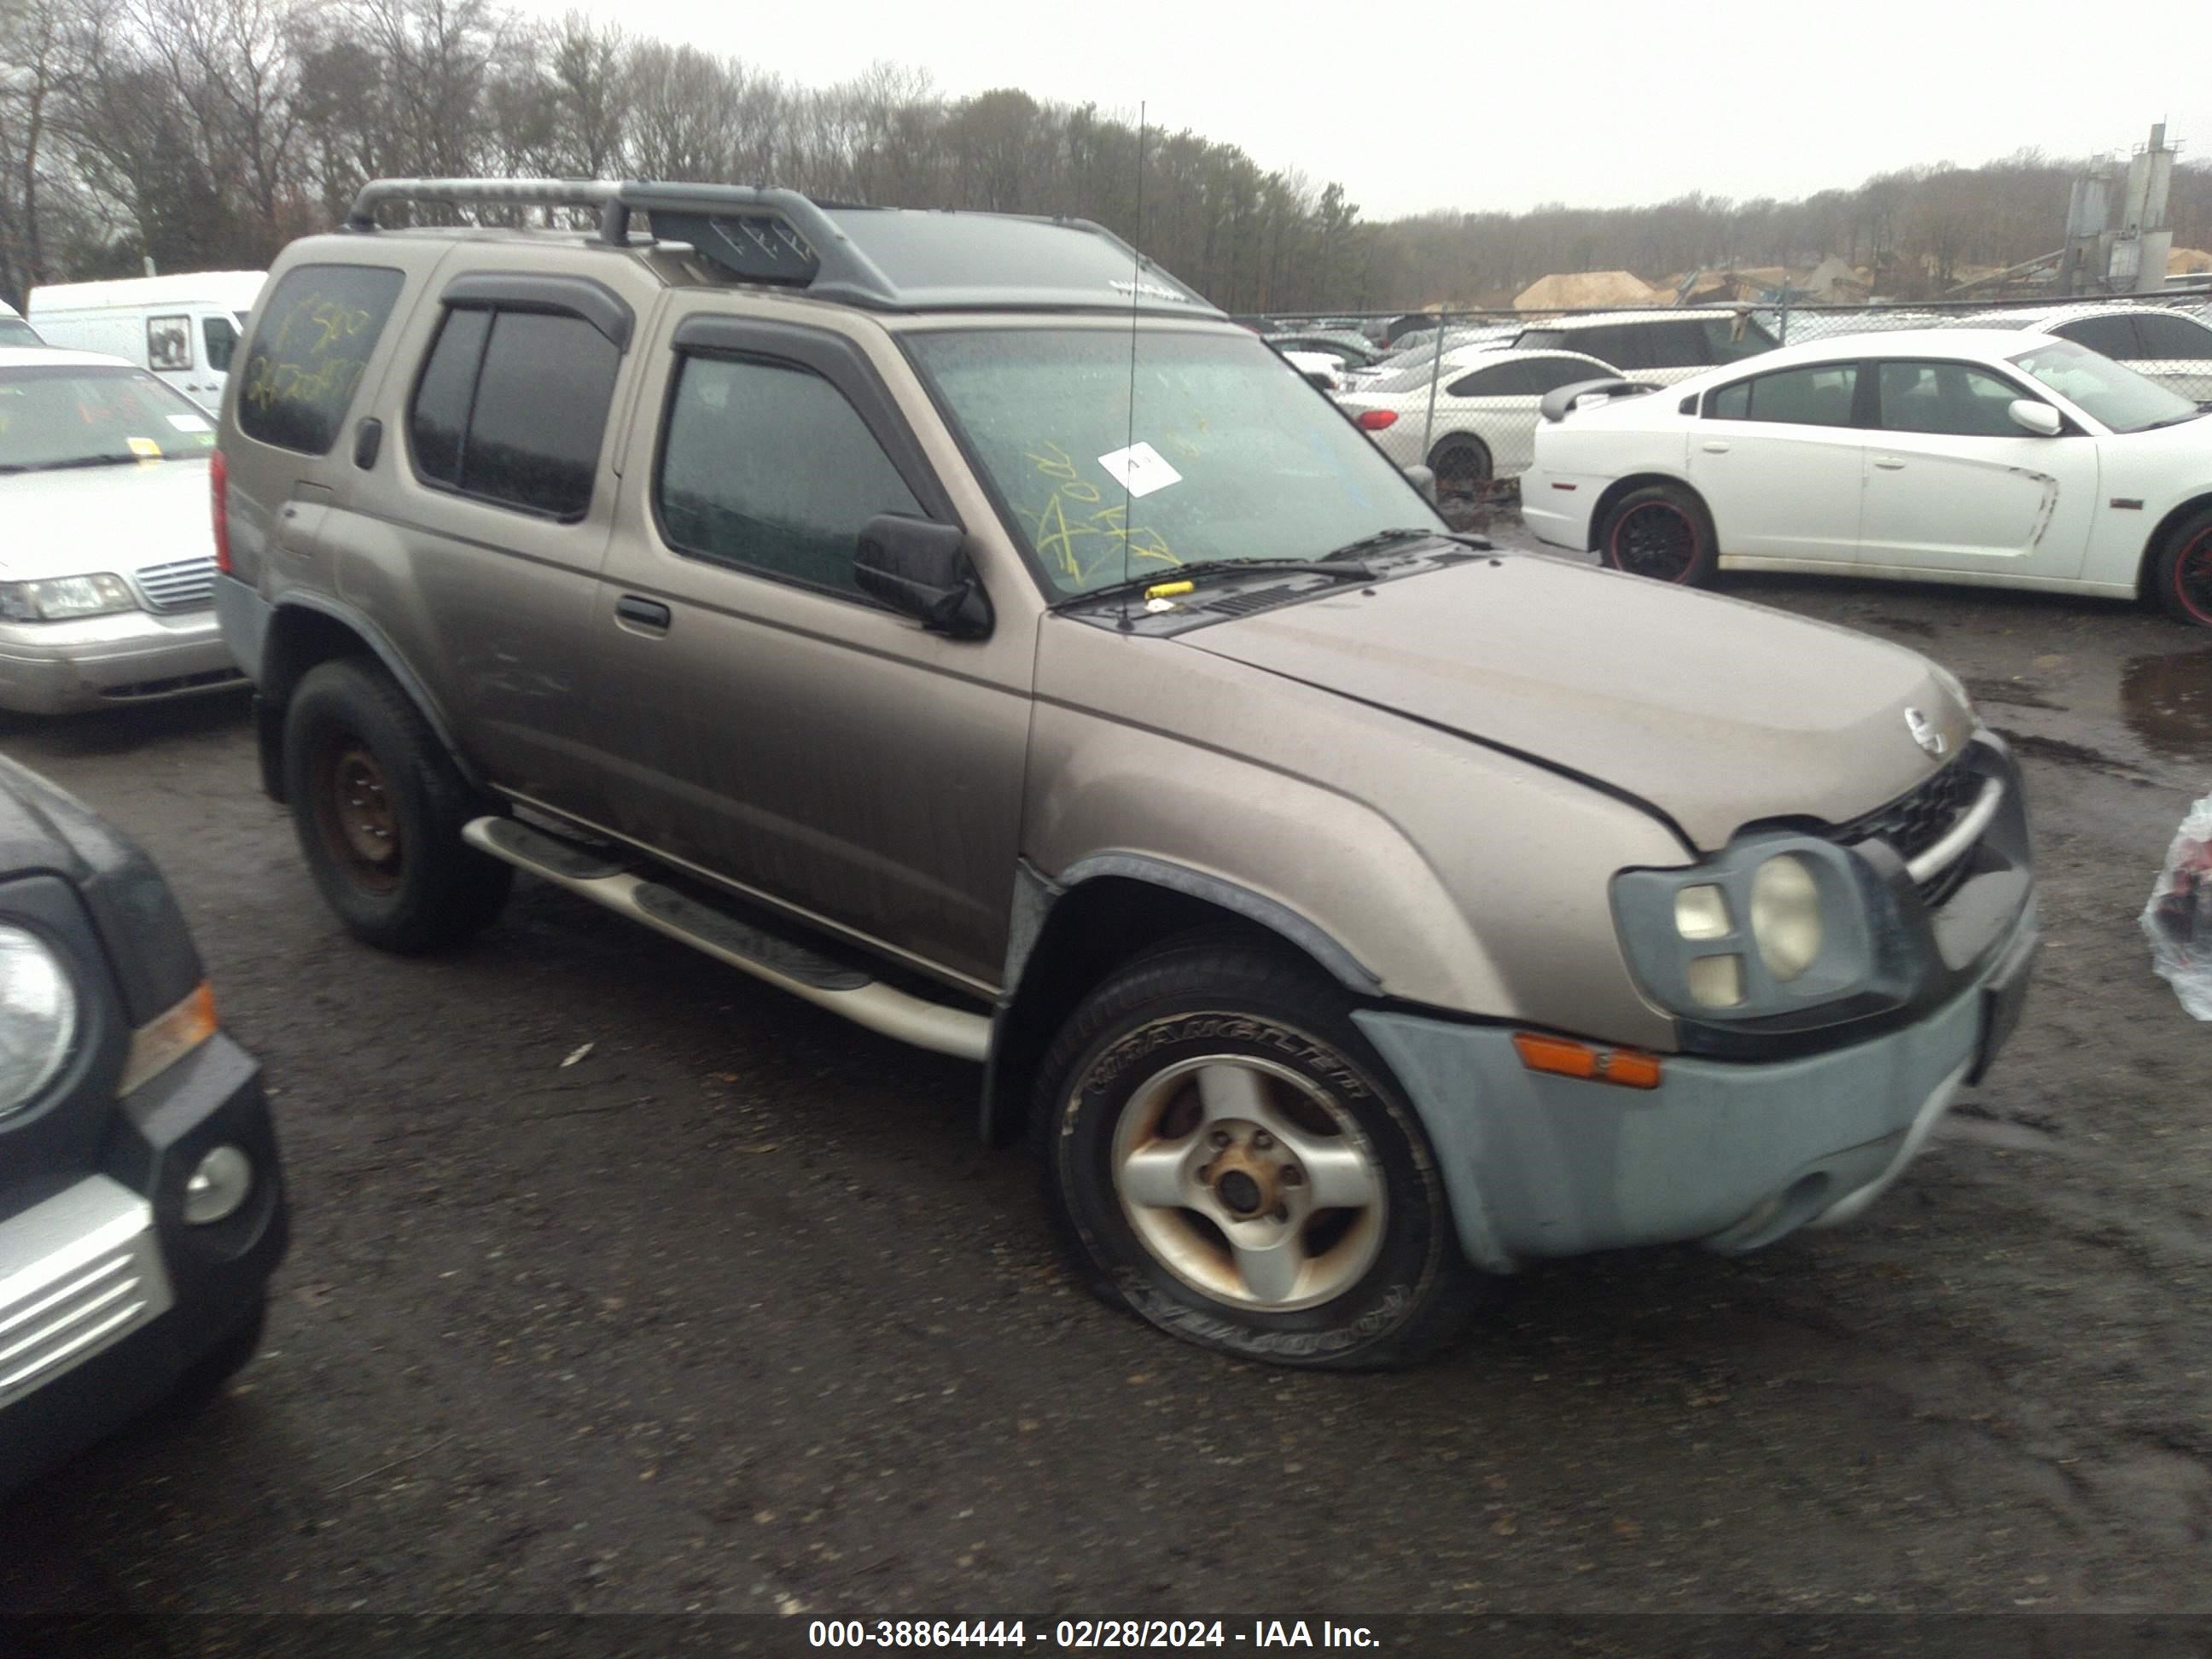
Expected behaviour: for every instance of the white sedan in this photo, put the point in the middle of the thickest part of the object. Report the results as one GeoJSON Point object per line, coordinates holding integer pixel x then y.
{"type": "Point", "coordinates": [107, 563]}
{"type": "Point", "coordinates": [1485, 411]}
{"type": "Point", "coordinates": [1953, 455]}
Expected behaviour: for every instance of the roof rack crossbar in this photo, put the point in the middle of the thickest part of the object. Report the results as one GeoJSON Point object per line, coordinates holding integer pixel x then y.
{"type": "Point", "coordinates": [756, 235]}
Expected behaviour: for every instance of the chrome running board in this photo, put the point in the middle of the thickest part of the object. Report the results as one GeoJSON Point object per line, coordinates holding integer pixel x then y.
{"type": "Point", "coordinates": [824, 981]}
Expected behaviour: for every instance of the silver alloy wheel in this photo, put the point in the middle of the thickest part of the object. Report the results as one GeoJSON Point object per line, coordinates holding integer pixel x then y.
{"type": "Point", "coordinates": [1249, 1183]}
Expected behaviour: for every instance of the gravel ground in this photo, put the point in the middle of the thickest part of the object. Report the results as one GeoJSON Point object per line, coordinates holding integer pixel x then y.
{"type": "Point", "coordinates": [734, 1314]}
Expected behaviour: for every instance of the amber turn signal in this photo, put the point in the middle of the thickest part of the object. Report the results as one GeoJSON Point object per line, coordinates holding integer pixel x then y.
{"type": "Point", "coordinates": [1566, 1058]}
{"type": "Point", "coordinates": [167, 1038]}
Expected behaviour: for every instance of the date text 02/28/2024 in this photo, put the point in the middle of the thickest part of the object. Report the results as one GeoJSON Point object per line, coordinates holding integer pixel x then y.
{"type": "Point", "coordinates": [1081, 1634]}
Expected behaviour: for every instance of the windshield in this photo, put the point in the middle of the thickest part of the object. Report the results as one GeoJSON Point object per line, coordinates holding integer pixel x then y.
{"type": "Point", "coordinates": [75, 416]}
{"type": "Point", "coordinates": [1230, 456]}
{"type": "Point", "coordinates": [2122, 399]}
{"type": "Point", "coordinates": [14, 331]}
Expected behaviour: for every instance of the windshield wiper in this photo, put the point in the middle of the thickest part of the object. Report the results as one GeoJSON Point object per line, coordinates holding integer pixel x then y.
{"type": "Point", "coordinates": [1347, 569]}
{"type": "Point", "coordinates": [76, 461]}
{"type": "Point", "coordinates": [2175, 419]}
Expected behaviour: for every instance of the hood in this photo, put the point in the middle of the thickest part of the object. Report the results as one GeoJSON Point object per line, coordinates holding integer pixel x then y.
{"type": "Point", "coordinates": [1715, 712]}
{"type": "Point", "coordinates": [104, 518]}
{"type": "Point", "coordinates": [45, 829]}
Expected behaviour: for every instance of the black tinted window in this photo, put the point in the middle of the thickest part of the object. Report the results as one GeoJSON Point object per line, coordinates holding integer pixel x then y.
{"type": "Point", "coordinates": [541, 409]}
{"type": "Point", "coordinates": [311, 344]}
{"type": "Point", "coordinates": [221, 335]}
{"type": "Point", "coordinates": [1550, 373]}
{"type": "Point", "coordinates": [1499, 381]}
{"type": "Point", "coordinates": [1541, 338]}
{"type": "Point", "coordinates": [1730, 338]}
{"type": "Point", "coordinates": [1676, 345]}
{"type": "Point", "coordinates": [767, 466]}
{"type": "Point", "coordinates": [441, 415]}
{"type": "Point", "coordinates": [2115, 336]}
{"type": "Point", "coordinates": [2168, 338]}
{"type": "Point", "coordinates": [1625, 349]}
{"type": "Point", "coordinates": [1946, 397]}
{"type": "Point", "coordinates": [1819, 395]}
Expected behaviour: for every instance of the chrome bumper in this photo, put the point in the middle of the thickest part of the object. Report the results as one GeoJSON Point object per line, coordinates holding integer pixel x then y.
{"type": "Point", "coordinates": [78, 1273]}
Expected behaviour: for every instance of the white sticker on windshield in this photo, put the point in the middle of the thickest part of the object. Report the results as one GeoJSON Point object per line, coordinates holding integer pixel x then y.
{"type": "Point", "coordinates": [188, 423]}
{"type": "Point", "coordinates": [1142, 468]}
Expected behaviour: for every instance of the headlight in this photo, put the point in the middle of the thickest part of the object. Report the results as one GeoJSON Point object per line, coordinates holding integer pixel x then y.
{"type": "Point", "coordinates": [1785, 916]}
{"type": "Point", "coordinates": [1773, 924]}
{"type": "Point", "coordinates": [60, 598]}
{"type": "Point", "coordinates": [38, 1015]}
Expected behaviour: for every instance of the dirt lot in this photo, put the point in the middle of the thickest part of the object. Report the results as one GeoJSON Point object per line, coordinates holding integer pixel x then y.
{"type": "Point", "coordinates": [734, 1313]}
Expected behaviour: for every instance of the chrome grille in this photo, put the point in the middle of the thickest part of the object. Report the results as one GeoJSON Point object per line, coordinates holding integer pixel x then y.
{"type": "Point", "coordinates": [1916, 820]}
{"type": "Point", "coordinates": [77, 1273]}
{"type": "Point", "coordinates": [183, 585]}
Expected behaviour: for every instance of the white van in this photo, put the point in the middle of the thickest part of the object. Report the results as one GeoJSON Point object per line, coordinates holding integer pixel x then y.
{"type": "Point", "coordinates": [13, 330]}
{"type": "Point", "coordinates": [181, 329]}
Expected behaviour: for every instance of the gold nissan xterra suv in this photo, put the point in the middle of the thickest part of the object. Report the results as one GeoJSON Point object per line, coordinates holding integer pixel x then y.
{"type": "Point", "coordinates": [954, 621]}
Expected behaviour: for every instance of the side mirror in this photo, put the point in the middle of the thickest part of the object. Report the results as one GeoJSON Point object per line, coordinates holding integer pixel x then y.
{"type": "Point", "coordinates": [1422, 480]}
{"type": "Point", "coordinates": [2031, 415]}
{"type": "Point", "coordinates": [921, 568]}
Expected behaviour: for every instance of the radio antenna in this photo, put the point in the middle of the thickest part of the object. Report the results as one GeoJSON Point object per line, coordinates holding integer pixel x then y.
{"type": "Point", "coordinates": [1136, 280]}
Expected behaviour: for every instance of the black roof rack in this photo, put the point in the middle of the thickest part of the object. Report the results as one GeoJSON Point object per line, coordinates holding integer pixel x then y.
{"type": "Point", "coordinates": [884, 258]}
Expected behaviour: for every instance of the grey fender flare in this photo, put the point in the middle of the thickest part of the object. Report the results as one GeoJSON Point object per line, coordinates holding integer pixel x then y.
{"type": "Point", "coordinates": [1035, 894]}
{"type": "Point", "coordinates": [393, 663]}
{"type": "Point", "coordinates": [1016, 1050]}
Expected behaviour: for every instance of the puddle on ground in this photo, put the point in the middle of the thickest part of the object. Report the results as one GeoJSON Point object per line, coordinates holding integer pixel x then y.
{"type": "Point", "coordinates": [2009, 692]}
{"type": "Point", "coordinates": [2167, 702]}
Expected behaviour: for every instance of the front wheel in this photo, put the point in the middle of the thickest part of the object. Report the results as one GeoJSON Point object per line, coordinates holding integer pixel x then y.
{"type": "Point", "coordinates": [1662, 531]}
{"type": "Point", "coordinates": [1227, 1158]}
{"type": "Point", "coordinates": [2181, 575]}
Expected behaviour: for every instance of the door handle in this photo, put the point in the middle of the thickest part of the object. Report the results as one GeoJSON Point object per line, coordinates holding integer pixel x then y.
{"type": "Point", "coordinates": [1889, 462]}
{"type": "Point", "coordinates": [1715, 447]}
{"type": "Point", "coordinates": [645, 613]}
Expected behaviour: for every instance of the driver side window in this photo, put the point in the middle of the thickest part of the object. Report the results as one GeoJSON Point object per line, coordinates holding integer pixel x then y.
{"type": "Point", "coordinates": [1947, 399]}
{"type": "Point", "coordinates": [766, 466]}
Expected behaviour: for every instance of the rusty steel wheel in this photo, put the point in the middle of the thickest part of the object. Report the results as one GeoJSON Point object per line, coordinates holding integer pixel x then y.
{"type": "Point", "coordinates": [379, 807]}
{"type": "Point", "coordinates": [353, 810]}
{"type": "Point", "coordinates": [1462, 465]}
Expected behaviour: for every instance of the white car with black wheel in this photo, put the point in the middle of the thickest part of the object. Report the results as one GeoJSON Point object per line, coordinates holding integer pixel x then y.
{"type": "Point", "coordinates": [1485, 422]}
{"type": "Point", "coordinates": [1955, 455]}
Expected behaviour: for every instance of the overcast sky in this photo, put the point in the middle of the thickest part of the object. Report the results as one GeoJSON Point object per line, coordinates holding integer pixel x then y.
{"type": "Point", "coordinates": [1415, 104]}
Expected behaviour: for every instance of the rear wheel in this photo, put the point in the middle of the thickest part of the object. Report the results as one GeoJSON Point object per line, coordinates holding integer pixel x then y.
{"type": "Point", "coordinates": [2181, 575]}
{"type": "Point", "coordinates": [378, 808]}
{"type": "Point", "coordinates": [1228, 1159]}
{"type": "Point", "coordinates": [1462, 465]}
{"type": "Point", "coordinates": [1662, 531]}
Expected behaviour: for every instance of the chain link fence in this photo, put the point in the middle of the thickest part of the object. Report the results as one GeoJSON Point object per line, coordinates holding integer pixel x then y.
{"type": "Point", "coordinates": [1458, 390]}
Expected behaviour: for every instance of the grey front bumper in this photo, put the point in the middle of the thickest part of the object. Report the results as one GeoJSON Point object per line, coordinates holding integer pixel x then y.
{"type": "Point", "coordinates": [1734, 1154]}
{"type": "Point", "coordinates": [132, 656]}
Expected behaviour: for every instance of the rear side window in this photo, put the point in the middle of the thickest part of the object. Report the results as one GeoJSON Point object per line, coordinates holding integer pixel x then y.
{"type": "Point", "coordinates": [311, 343]}
{"type": "Point", "coordinates": [1728, 339]}
{"type": "Point", "coordinates": [1499, 381]}
{"type": "Point", "coordinates": [2115, 336]}
{"type": "Point", "coordinates": [2168, 338]}
{"type": "Point", "coordinates": [1674, 345]}
{"type": "Point", "coordinates": [511, 409]}
{"type": "Point", "coordinates": [767, 466]}
{"type": "Point", "coordinates": [1818, 396]}
{"type": "Point", "coordinates": [1541, 338]}
{"type": "Point", "coordinates": [1550, 373]}
{"type": "Point", "coordinates": [1625, 347]}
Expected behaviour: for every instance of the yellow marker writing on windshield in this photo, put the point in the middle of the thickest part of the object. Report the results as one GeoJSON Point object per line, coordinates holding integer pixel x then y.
{"type": "Point", "coordinates": [1168, 590]}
